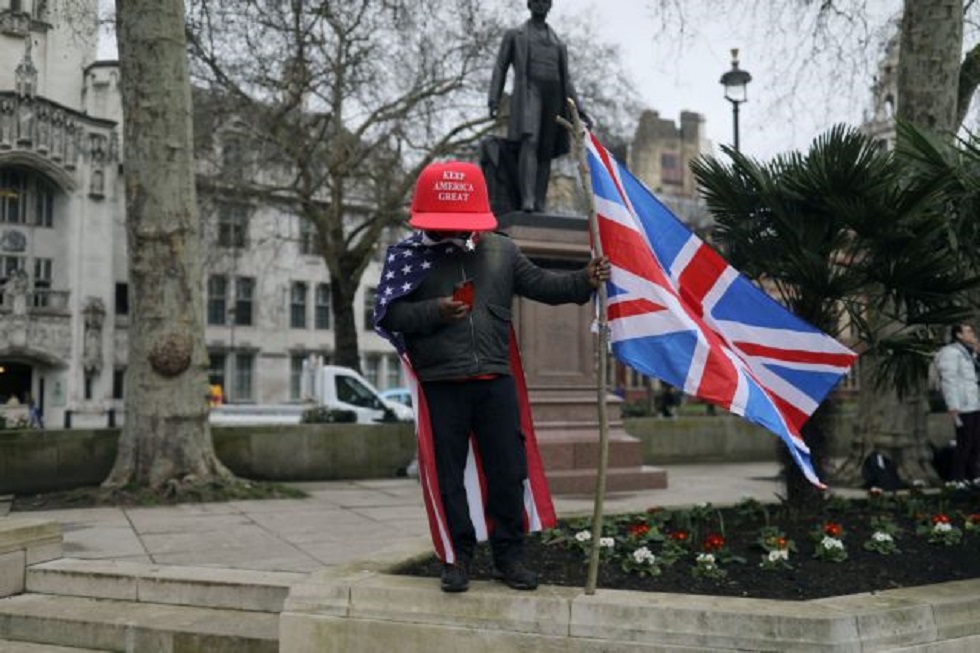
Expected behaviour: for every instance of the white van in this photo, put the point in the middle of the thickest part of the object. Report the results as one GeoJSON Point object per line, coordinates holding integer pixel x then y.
{"type": "Point", "coordinates": [329, 386]}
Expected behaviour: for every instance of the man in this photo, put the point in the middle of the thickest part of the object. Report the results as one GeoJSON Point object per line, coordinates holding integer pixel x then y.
{"type": "Point", "coordinates": [541, 88]}
{"type": "Point", "coordinates": [445, 302]}
{"type": "Point", "coordinates": [957, 366]}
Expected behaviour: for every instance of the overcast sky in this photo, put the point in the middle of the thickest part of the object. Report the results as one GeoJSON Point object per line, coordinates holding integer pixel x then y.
{"type": "Point", "coordinates": [793, 97]}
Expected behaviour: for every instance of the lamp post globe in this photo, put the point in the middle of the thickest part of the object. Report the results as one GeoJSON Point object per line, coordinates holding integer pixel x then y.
{"type": "Point", "coordinates": [736, 83]}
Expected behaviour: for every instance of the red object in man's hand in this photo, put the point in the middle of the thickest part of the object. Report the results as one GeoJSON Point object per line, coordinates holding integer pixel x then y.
{"type": "Point", "coordinates": [463, 292]}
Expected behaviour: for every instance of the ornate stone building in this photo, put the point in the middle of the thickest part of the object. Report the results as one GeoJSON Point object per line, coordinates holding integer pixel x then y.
{"type": "Point", "coordinates": [64, 310]}
{"type": "Point", "coordinates": [879, 124]}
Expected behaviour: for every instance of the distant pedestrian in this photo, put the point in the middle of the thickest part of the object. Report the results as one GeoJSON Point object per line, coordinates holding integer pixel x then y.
{"type": "Point", "coordinates": [34, 418]}
{"type": "Point", "coordinates": [957, 364]}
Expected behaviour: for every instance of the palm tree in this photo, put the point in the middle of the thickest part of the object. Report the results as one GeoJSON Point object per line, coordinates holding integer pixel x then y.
{"type": "Point", "coordinates": [844, 238]}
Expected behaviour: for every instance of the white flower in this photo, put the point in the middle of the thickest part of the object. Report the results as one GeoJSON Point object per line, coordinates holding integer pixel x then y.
{"type": "Point", "coordinates": [643, 555]}
{"type": "Point", "coordinates": [706, 559]}
{"type": "Point", "coordinates": [703, 504]}
{"type": "Point", "coordinates": [831, 543]}
{"type": "Point", "coordinates": [942, 527]}
{"type": "Point", "coordinates": [880, 536]}
{"type": "Point", "coordinates": [607, 542]}
{"type": "Point", "coordinates": [583, 536]}
{"type": "Point", "coordinates": [778, 554]}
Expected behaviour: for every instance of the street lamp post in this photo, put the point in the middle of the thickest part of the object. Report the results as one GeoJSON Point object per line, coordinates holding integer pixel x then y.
{"type": "Point", "coordinates": [736, 82]}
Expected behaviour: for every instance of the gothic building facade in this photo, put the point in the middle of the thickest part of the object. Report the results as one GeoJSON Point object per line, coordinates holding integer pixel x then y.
{"type": "Point", "coordinates": [64, 304]}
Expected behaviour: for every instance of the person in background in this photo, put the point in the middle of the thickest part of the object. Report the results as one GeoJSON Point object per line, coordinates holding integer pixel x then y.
{"type": "Point", "coordinates": [957, 365]}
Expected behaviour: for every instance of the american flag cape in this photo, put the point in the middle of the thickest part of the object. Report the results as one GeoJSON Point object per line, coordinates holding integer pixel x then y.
{"type": "Point", "coordinates": [677, 311]}
{"type": "Point", "coordinates": [406, 266]}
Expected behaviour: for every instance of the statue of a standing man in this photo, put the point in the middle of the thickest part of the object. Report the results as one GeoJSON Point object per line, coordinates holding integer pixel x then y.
{"type": "Point", "coordinates": [541, 86]}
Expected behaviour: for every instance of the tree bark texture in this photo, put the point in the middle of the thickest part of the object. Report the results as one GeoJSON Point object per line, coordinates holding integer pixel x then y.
{"type": "Point", "coordinates": [345, 329]}
{"type": "Point", "coordinates": [928, 96]}
{"type": "Point", "coordinates": [929, 63]}
{"type": "Point", "coordinates": [166, 437]}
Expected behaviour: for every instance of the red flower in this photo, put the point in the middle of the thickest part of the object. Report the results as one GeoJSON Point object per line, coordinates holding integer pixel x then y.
{"type": "Point", "coordinates": [940, 519]}
{"type": "Point", "coordinates": [832, 529]}
{"type": "Point", "coordinates": [638, 529]}
{"type": "Point", "coordinates": [781, 543]}
{"type": "Point", "coordinates": [875, 492]}
{"type": "Point", "coordinates": [680, 536]}
{"type": "Point", "coordinates": [974, 518]}
{"type": "Point", "coordinates": [713, 542]}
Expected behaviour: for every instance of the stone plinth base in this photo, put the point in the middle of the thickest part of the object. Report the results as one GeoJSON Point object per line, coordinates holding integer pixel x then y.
{"type": "Point", "coordinates": [570, 452]}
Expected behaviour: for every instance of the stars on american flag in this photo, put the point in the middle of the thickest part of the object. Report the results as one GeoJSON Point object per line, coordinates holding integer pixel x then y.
{"type": "Point", "coordinates": [406, 265]}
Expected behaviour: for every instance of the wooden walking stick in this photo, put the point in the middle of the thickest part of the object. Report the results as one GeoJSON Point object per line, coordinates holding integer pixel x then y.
{"type": "Point", "coordinates": [578, 133]}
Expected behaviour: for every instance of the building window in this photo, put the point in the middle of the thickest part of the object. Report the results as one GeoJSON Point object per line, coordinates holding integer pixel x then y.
{"type": "Point", "coordinates": [216, 369]}
{"type": "Point", "coordinates": [244, 297]}
{"type": "Point", "coordinates": [9, 266]}
{"type": "Point", "coordinates": [217, 299]}
{"type": "Point", "coordinates": [233, 226]}
{"type": "Point", "coordinates": [321, 310]}
{"type": "Point", "coordinates": [118, 382]}
{"type": "Point", "coordinates": [244, 365]}
{"type": "Point", "coordinates": [369, 295]}
{"type": "Point", "coordinates": [296, 376]}
{"type": "Point", "coordinates": [44, 204]}
{"type": "Point", "coordinates": [42, 281]}
{"type": "Point", "coordinates": [372, 365]}
{"type": "Point", "coordinates": [13, 196]}
{"type": "Point", "coordinates": [394, 372]}
{"type": "Point", "coordinates": [307, 237]}
{"type": "Point", "coordinates": [233, 155]}
{"type": "Point", "coordinates": [297, 305]}
{"type": "Point", "coordinates": [122, 298]}
{"type": "Point", "coordinates": [671, 171]}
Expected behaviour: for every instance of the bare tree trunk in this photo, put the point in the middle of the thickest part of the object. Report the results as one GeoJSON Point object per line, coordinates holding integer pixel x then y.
{"type": "Point", "coordinates": [166, 437]}
{"type": "Point", "coordinates": [345, 326]}
{"type": "Point", "coordinates": [886, 424]}
{"type": "Point", "coordinates": [929, 63]}
{"type": "Point", "coordinates": [928, 96]}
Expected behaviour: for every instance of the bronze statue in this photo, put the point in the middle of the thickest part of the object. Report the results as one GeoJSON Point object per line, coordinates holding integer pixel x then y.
{"type": "Point", "coordinates": [541, 86]}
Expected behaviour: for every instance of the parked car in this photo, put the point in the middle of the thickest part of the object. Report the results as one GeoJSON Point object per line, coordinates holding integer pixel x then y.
{"type": "Point", "coordinates": [400, 395]}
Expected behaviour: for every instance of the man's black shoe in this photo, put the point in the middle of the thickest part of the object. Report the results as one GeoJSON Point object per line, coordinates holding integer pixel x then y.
{"type": "Point", "coordinates": [455, 578]}
{"type": "Point", "coordinates": [516, 576]}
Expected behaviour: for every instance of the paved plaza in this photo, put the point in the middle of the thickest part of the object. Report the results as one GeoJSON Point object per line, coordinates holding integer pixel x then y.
{"type": "Point", "coordinates": [340, 522]}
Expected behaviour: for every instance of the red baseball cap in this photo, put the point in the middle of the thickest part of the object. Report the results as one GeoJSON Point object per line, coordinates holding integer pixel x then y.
{"type": "Point", "coordinates": [452, 196]}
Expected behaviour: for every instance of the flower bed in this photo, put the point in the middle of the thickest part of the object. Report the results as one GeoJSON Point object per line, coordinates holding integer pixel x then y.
{"type": "Point", "coordinates": [840, 547]}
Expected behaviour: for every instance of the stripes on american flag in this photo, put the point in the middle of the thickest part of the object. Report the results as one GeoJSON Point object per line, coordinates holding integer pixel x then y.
{"type": "Point", "coordinates": [677, 311]}
{"type": "Point", "coordinates": [406, 266]}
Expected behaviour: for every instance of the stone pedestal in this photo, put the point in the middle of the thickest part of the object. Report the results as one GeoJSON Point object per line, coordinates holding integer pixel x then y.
{"type": "Point", "coordinates": [558, 352]}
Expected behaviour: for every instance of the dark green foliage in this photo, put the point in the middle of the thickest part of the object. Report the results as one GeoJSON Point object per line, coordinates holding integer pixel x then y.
{"type": "Point", "coordinates": [849, 236]}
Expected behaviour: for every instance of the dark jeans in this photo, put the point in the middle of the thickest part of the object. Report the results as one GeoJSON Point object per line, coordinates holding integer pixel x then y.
{"type": "Point", "coordinates": [489, 410]}
{"type": "Point", "coordinates": [967, 447]}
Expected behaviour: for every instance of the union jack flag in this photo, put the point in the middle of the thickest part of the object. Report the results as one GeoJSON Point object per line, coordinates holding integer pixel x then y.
{"type": "Point", "coordinates": [677, 311]}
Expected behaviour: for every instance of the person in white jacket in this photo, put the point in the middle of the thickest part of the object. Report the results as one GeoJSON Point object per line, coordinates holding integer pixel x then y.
{"type": "Point", "coordinates": [957, 364]}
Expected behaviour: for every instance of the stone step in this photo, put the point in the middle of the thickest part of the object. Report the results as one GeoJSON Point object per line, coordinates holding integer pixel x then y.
{"type": "Point", "coordinates": [567, 451]}
{"type": "Point", "coordinates": [207, 587]}
{"type": "Point", "coordinates": [127, 627]}
{"type": "Point", "coordinates": [582, 481]}
{"type": "Point", "coordinates": [7, 646]}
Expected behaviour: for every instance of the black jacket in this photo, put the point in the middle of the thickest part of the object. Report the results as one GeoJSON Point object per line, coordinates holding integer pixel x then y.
{"type": "Point", "coordinates": [478, 344]}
